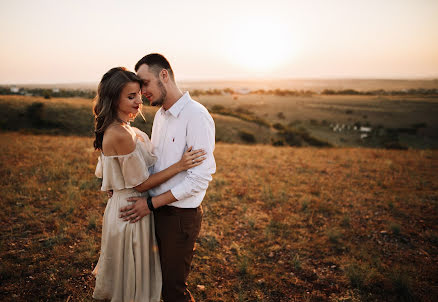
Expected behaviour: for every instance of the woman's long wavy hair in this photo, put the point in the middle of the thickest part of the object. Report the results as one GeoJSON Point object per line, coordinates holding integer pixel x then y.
{"type": "Point", "coordinates": [107, 100]}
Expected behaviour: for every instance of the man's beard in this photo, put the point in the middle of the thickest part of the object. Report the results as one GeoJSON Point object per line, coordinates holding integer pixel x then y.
{"type": "Point", "coordinates": [163, 95]}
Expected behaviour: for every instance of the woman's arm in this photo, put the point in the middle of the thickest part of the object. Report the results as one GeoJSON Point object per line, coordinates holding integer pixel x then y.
{"type": "Point", "coordinates": [189, 160]}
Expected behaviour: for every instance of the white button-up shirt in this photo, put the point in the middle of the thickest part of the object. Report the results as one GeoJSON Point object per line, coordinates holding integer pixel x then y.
{"type": "Point", "coordinates": [187, 123]}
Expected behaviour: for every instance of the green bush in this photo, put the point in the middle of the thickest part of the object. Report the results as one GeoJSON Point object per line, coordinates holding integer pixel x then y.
{"type": "Point", "coordinates": [35, 113]}
{"type": "Point", "coordinates": [292, 137]}
{"type": "Point", "coordinates": [277, 142]}
{"type": "Point", "coordinates": [300, 137]}
{"type": "Point", "coordinates": [395, 145]}
{"type": "Point", "coordinates": [247, 136]}
{"type": "Point", "coordinates": [278, 126]}
{"type": "Point", "coordinates": [241, 113]}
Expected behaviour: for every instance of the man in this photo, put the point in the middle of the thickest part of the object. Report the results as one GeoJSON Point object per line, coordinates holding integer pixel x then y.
{"type": "Point", "coordinates": [180, 123]}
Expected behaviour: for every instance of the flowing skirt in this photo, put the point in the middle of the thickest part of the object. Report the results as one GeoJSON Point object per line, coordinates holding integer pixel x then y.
{"type": "Point", "coordinates": [129, 264]}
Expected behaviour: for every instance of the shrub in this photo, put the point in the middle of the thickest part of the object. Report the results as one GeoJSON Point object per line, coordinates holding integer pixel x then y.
{"type": "Point", "coordinates": [313, 141]}
{"type": "Point", "coordinates": [334, 236]}
{"type": "Point", "coordinates": [217, 108]}
{"type": "Point", "coordinates": [277, 142]}
{"type": "Point", "coordinates": [395, 228]}
{"type": "Point", "coordinates": [419, 125]}
{"type": "Point", "coordinates": [360, 276]}
{"type": "Point", "coordinates": [243, 110]}
{"type": "Point", "coordinates": [247, 136]}
{"type": "Point", "coordinates": [35, 113]}
{"type": "Point", "coordinates": [328, 92]}
{"type": "Point", "coordinates": [209, 242]}
{"type": "Point", "coordinates": [242, 265]}
{"type": "Point", "coordinates": [402, 286]}
{"type": "Point", "coordinates": [280, 115]}
{"type": "Point", "coordinates": [278, 126]}
{"type": "Point", "coordinates": [241, 113]}
{"type": "Point", "coordinates": [300, 137]}
{"type": "Point", "coordinates": [348, 92]}
{"type": "Point", "coordinates": [47, 94]}
{"type": "Point", "coordinates": [296, 262]}
{"type": "Point", "coordinates": [395, 145]}
{"type": "Point", "coordinates": [292, 137]}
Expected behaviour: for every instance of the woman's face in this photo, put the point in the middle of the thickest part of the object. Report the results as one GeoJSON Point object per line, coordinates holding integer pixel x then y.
{"type": "Point", "coordinates": [130, 100]}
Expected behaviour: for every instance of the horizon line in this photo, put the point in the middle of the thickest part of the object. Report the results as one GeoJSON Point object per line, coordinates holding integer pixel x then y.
{"type": "Point", "coordinates": [253, 79]}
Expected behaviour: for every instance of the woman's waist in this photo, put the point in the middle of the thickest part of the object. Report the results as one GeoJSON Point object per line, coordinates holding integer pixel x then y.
{"type": "Point", "coordinates": [120, 197]}
{"type": "Point", "coordinates": [128, 193]}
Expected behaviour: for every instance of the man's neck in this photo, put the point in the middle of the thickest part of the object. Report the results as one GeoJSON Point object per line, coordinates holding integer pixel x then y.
{"type": "Point", "coordinates": [173, 95]}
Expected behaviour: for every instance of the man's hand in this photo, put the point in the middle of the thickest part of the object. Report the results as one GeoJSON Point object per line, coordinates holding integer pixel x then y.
{"type": "Point", "coordinates": [136, 211]}
{"type": "Point", "coordinates": [109, 193]}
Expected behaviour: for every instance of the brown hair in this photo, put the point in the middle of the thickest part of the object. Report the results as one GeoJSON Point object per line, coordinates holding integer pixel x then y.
{"type": "Point", "coordinates": [156, 63]}
{"type": "Point", "coordinates": [107, 100]}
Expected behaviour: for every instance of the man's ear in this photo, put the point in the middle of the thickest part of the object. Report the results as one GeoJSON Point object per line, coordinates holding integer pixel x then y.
{"type": "Point", "coordinates": [164, 75]}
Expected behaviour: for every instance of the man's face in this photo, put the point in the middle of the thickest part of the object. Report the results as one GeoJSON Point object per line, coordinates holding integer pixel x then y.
{"type": "Point", "coordinates": [153, 88]}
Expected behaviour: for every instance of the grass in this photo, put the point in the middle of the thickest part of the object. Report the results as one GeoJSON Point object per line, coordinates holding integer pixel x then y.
{"type": "Point", "coordinates": [395, 228]}
{"type": "Point", "coordinates": [280, 224]}
{"type": "Point", "coordinates": [73, 116]}
{"type": "Point", "coordinates": [398, 123]}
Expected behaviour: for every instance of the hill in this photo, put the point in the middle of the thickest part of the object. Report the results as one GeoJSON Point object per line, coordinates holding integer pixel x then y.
{"type": "Point", "coordinates": [73, 116]}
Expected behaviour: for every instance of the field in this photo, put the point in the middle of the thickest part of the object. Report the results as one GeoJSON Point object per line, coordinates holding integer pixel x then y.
{"type": "Point", "coordinates": [319, 114]}
{"type": "Point", "coordinates": [396, 122]}
{"type": "Point", "coordinates": [280, 223]}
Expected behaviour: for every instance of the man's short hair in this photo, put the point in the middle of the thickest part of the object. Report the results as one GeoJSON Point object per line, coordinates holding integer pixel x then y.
{"type": "Point", "coordinates": [156, 63]}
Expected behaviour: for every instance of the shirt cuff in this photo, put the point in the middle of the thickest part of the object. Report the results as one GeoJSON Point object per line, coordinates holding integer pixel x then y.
{"type": "Point", "coordinates": [179, 192]}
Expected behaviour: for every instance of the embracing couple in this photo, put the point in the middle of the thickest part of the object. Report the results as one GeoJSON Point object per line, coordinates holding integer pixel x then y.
{"type": "Point", "coordinates": [153, 218]}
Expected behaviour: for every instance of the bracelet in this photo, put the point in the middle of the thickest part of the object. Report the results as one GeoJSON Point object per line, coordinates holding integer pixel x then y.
{"type": "Point", "coordinates": [150, 205]}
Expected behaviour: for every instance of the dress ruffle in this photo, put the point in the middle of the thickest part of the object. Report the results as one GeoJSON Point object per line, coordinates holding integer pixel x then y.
{"type": "Point", "coordinates": [126, 171]}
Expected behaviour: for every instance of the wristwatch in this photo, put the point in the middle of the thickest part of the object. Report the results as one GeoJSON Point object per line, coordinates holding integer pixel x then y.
{"type": "Point", "coordinates": [150, 205]}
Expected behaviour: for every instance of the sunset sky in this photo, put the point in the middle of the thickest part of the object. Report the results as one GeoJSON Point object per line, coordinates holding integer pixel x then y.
{"type": "Point", "coordinates": [78, 41]}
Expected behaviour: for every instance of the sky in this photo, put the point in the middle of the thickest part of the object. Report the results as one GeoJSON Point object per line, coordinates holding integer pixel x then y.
{"type": "Point", "coordinates": [70, 41]}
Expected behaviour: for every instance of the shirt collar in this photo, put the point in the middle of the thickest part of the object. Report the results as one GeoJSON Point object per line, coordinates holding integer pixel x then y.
{"type": "Point", "coordinates": [179, 105]}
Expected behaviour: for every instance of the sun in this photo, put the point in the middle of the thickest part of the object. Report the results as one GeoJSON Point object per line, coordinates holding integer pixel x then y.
{"type": "Point", "coordinates": [260, 44]}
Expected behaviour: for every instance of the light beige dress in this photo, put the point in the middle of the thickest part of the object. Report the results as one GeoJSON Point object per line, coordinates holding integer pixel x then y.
{"type": "Point", "coordinates": [129, 265]}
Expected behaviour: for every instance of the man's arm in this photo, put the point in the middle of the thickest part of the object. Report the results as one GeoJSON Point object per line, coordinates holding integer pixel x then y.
{"type": "Point", "coordinates": [139, 209]}
{"type": "Point", "coordinates": [191, 158]}
{"type": "Point", "coordinates": [200, 135]}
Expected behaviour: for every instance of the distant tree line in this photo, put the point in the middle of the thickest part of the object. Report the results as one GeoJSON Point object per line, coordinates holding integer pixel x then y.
{"type": "Point", "coordinates": [48, 93]}
{"type": "Point", "coordinates": [68, 93]}
{"type": "Point", "coordinates": [407, 92]}
{"type": "Point", "coordinates": [288, 92]}
{"type": "Point", "coordinates": [241, 113]}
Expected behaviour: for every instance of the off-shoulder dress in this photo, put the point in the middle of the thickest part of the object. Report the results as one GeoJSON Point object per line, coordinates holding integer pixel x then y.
{"type": "Point", "coordinates": [129, 265]}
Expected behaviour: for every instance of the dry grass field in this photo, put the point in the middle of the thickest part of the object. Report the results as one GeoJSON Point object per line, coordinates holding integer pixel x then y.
{"type": "Point", "coordinates": [403, 122]}
{"type": "Point", "coordinates": [73, 116]}
{"type": "Point", "coordinates": [317, 114]}
{"type": "Point", "coordinates": [389, 111]}
{"type": "Point", "coordinates": [280, 223]}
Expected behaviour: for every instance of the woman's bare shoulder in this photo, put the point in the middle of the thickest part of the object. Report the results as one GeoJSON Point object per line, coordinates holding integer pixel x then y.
{"type": "Point", "coordinates": [118, 140]}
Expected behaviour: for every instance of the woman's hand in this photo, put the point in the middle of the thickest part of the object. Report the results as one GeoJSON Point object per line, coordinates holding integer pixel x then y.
{"type": "Point", "coordinates": [191, 158]}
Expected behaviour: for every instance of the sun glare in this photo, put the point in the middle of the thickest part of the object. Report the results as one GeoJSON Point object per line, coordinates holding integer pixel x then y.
{"type": "Point", "coordinates": [260, 45]}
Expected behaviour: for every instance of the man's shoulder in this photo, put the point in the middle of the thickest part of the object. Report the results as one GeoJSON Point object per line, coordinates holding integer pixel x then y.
{"type": "Point", "coordinates": [157, 114]}
{"type": "Point", "coordinates": [194, 107]}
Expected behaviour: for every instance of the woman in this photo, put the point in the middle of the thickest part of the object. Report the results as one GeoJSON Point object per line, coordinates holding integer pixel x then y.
{"type": "Point", "coordinates": [128, 268]}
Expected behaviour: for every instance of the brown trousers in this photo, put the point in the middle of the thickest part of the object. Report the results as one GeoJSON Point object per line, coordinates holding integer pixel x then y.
{"type": "Point", "coordinates": [176, 230]}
